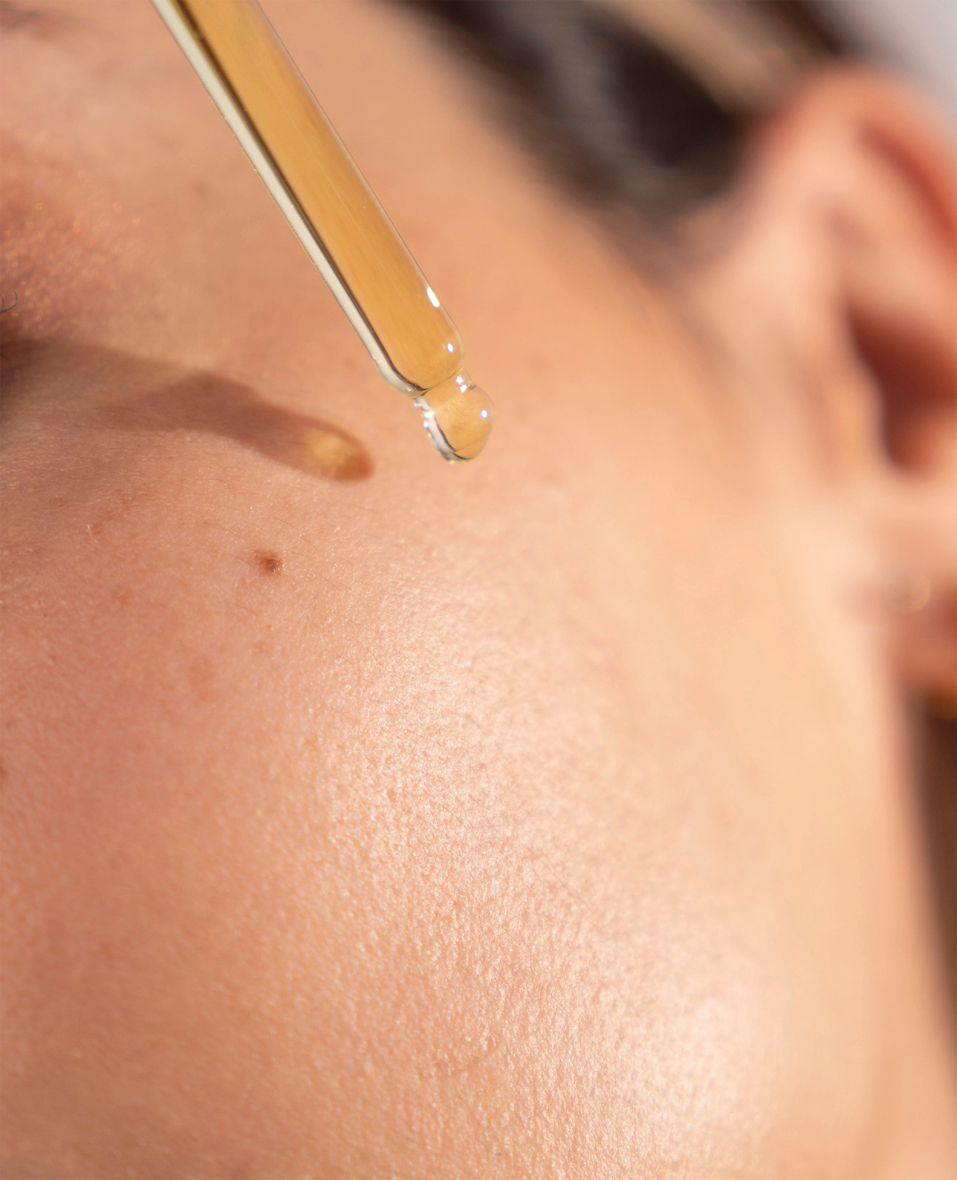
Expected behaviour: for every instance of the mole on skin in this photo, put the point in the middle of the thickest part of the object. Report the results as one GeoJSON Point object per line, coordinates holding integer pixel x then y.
{"type": "Point", "coordinates": [268, 563]}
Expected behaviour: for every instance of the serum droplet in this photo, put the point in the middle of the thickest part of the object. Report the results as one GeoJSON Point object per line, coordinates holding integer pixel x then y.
{"type": "Point", "coordinates": [458, 416]}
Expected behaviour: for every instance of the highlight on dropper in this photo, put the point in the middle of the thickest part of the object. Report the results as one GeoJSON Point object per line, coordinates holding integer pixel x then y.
{"type": "Point", "coordinates": [458, 416]}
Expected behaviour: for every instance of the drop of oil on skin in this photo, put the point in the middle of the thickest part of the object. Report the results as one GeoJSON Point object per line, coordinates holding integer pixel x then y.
{"type": "Point", "coordinates": [458, 416]}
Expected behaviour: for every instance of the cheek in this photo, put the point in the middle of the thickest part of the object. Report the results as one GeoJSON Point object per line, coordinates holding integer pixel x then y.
{"type": "Point", "coordinates": [348, 833]}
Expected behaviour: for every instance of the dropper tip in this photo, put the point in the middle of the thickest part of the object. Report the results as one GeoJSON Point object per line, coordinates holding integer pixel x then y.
{"type": "Point", "coordinates": [458, 415]}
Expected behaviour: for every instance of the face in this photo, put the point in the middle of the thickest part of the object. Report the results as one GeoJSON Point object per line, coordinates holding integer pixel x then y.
{"type": "Point", "coordinates": [369, 816]}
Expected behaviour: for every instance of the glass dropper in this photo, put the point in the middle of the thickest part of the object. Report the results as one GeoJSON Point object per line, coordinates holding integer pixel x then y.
{"type": "Point", "coordinates": [334, 214]}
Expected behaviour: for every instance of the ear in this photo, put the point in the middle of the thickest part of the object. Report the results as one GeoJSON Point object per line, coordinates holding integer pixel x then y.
{"type": "Point", "coordinates": [845, 250]}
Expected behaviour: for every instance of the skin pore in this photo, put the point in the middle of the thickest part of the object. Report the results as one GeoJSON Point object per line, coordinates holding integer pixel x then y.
{"type": "Point", "coordinates": [546, 816]}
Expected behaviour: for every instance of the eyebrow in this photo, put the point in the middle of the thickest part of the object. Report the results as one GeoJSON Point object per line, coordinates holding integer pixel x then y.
{"type": "Point", "coordinates": [44, 23]}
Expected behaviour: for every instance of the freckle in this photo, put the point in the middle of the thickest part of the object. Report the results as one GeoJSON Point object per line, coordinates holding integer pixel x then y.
{"type": "Point", "coordinates": [268, 563]}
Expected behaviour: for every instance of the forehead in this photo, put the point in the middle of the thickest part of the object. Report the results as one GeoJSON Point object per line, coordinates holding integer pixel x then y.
{"type": "Point", "coordinates": [113, 154]}
{"type": "Point", "coordinates": [132, 218]}
{"type": "Point", "coordinates": [355, 53]}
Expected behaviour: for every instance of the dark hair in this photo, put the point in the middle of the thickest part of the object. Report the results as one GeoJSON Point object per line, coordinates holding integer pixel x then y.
{"type": "Point", "coordinates": [614, 113]}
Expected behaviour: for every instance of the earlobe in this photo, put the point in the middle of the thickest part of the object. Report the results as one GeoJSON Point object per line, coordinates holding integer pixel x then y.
{"type": "Point", "coordinates": [915, 531]}
{"type": "Point", "coordinates": [849, 242]}
{"type": "Point", "coordinates": [897, 253]}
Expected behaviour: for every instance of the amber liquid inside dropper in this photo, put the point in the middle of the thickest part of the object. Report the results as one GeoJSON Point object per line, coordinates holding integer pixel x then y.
{"type": "Point", "coordinates": [334, 213]}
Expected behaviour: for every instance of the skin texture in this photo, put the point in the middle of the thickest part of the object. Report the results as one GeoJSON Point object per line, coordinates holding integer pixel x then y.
{"type": "Point", "coordinates": [549, 816]}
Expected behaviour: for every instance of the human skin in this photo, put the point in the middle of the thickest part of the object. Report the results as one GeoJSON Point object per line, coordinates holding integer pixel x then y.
{"type": "Point", "coordinates": [547, 816]}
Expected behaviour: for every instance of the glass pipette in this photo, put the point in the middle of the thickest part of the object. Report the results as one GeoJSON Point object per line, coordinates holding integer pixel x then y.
{"type": "Point", "coordinates": [334, 214]}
